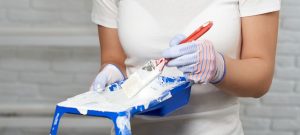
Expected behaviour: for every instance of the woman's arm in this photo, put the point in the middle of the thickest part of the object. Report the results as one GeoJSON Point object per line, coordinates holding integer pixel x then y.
{"type": "Point", "coordinates": [110, 48]}
{"type": "Point", "coordinates": [251, 76]}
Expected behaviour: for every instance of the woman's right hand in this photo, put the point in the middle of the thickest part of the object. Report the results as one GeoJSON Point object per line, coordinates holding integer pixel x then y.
{"type": "Point", "coordinates": [109, 74]}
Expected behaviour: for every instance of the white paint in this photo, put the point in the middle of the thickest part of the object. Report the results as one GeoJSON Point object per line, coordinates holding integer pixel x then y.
{"type": "Point", "coordinates": [141, 78]}
{"type": "Point", "coordinates": [56, 118]}
{"type": "Point", "coordinates": [123, 123]}
{"type": "Point", "coordinates": [117, 101]}
{"type": "Point", "coordinates": [83, 111]}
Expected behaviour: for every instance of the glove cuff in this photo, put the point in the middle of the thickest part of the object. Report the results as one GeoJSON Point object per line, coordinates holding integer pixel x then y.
{"type": "Point", "coordinates": [113, 73]}
{"type": "Point", "coordinates": [221, 69]}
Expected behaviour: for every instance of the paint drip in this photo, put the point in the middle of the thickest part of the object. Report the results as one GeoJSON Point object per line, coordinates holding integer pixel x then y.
{"type": "Point", "coordinates": [113, 99]}
{"type": "Point", "coordinates": [123, 124]}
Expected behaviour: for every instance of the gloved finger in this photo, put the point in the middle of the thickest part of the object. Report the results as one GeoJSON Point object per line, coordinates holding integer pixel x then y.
{"type": "Point", "coordinates": [97, 87]}
{"type": "Point", "coordinates": [99, 82]}
{"type": "Point", "coordinates": [180, 50]}
{"type": "Point", "coordinates": [188, 76]}
{"type": "Point", "coordinates": [188, 69]}
{"type": "Point", "coordinates": [202, 77]}
{"type": "Point", "coordinates": [183, 60]}
{"type": "Point", "coordinates": [194, 78]}
{"type": "Point", "coordinates": [176, 40]}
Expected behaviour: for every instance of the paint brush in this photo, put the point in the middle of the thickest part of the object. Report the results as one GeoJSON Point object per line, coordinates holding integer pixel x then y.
{"type": "Point", "coordinates": [153, 68]}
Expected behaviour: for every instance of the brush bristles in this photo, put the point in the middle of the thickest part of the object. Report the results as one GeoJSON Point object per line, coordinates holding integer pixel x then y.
{"type": "Point", "coordinates": [135, 83]}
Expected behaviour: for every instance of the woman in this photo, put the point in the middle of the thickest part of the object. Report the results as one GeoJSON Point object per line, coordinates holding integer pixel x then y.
{"type": "Point", "coordinates": [234, 59]}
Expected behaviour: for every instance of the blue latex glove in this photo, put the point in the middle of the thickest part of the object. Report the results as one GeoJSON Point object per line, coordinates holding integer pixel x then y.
{"type": "Point", "coordinates": [109, 74]}
{"type": "Point", "coordinates": [198, 60]}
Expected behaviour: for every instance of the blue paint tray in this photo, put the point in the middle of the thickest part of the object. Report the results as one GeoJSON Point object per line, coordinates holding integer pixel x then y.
{"type": "Point", "coordinates": [165, 103]}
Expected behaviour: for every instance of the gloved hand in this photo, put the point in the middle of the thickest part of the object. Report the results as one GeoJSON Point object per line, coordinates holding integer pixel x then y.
{"type": "Point", "coordinates": [109, 74]}
{"type": "Point", "coordinates": [198, 60]}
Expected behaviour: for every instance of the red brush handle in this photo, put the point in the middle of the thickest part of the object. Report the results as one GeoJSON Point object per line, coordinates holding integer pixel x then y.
{"type": "Point", "coordinates": [198, 33]}
{"type": "Point", "coordinates": [194, 36]}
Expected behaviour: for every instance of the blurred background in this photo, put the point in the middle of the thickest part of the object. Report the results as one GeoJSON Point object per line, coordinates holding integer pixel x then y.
{"type": "Point", "coordinates": [49, 51]}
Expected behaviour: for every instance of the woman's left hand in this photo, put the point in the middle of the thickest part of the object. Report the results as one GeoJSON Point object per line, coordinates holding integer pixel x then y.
{"type": "Point", "coordinates": [198, 60]}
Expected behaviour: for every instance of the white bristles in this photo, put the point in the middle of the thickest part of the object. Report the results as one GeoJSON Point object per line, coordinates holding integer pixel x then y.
{"type": "Point", "coordinates": [140, 79]}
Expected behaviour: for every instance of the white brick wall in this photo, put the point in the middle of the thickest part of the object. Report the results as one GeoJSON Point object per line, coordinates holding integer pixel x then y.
{"type": "Point", "coordinates": [38, 68]}
{"type": "Point", "coordinates": [41, 12]}
{"type": "Point", "coordinates": [279, 110]}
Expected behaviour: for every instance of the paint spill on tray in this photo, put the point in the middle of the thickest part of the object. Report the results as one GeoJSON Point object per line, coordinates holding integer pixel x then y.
{"type": "Point", "coordinates": [162, 96]}
{"type": "Point", "coordinates": [113, 99]}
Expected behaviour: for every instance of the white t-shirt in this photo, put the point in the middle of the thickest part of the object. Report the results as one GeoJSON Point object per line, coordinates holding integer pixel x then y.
{"type": "Point", "coordinates": [145, 28]}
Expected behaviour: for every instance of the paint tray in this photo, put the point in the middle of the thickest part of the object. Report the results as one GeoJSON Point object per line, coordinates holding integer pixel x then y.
{"type": "Point", "coordinates": [169, 100]}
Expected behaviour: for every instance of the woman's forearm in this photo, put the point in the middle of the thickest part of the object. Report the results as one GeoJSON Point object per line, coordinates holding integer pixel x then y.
{"type": "Point", "coordinates": [251, 76]}
{"type": "Point", "coordinates": [111, 51]}
{"type": "Point", "coordinates": [247, 77]}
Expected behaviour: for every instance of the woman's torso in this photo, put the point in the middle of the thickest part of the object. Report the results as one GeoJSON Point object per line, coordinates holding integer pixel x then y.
{"type": "Point", "coordinates": [145, 28]}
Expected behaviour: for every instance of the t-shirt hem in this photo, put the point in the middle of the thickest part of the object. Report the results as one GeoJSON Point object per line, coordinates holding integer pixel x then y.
{"type": "Point", "coordinates": [104, 23]}
{"type": "Point", "coordinates": [258, 12]}
{"type": "Point", "coordinates": [250, 12]}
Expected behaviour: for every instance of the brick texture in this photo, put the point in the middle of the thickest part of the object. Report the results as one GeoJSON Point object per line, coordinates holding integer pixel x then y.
{"type": "Point", "coordinates": [48, 74]}
{"type": "Point", "coordinates": [279, 110]}
{"type": "Point", "coordinates": [45, 12]}
{"type": "Point", "coordinates": [15, 4]}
